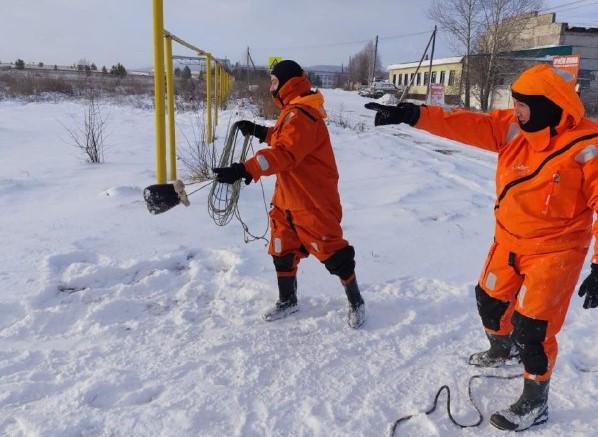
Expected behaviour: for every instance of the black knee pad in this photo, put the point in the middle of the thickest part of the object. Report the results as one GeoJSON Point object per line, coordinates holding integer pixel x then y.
{"type": "Point", "coordinates": [491, 310]}
{"type": "Point", "coordinates": [342, 263]}
{"type": "Point", "coordinates": [284, 264]}
{"type": "Point", "coordinates": [528, 335]}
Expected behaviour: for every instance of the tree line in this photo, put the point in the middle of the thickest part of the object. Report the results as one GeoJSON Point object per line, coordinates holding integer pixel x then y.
{"type": "Point", "coordinates": [117, 70]}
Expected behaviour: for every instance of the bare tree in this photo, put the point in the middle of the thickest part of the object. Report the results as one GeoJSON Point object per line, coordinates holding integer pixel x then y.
{"type": "Point", "coordinates": [460, 18]}
{"type": "Point", "coordinates": [89, 138]}
{"type": "Point", "coordinates": [502, 21]}
{"type": "Point", "coordinates": [200, 157]}
{"type": "Point", "coordinates": [360, 64]}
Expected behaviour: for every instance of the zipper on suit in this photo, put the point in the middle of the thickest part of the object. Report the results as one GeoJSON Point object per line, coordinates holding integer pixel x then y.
{"type": "Point", "coordinates": [556, 179]}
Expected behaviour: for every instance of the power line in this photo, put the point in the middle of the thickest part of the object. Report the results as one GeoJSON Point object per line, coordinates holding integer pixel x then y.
{"type": "Point", "coordinates": [569, 8]}
{"type": "Point", "coordinates": [427, 32]}
{"type": "Point", "coordinates": [341, 43]}
{"type": "Point", "coordinates": [568, 5]}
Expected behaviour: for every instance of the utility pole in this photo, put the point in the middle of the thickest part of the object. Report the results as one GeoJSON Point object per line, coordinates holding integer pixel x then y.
{"type": "Point", "coordinates": [406, 90]}
{"type": "Point", "coordinates": [247, 67]}
{"type": "Point", "coordinates": [430, 69]}
{"type": "Point", "coordinates": [375, 59]}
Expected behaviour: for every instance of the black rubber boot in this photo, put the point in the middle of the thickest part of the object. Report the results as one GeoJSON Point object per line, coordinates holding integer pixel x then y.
{"type": "Point", "coordinates": [530, 409]}
{"type": "Point", "coordinates": [356, 315]}
{"type": "Point", "coordinates": [287, 299]}
{"type": "Point", "coordinates": [502, 349]}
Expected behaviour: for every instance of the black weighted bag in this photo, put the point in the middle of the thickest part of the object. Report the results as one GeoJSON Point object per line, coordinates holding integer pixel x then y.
{"type": "Point", "coordinates": [160, 198]}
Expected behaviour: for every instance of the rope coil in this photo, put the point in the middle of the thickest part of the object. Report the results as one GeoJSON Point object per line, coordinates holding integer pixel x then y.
{"type": "Point", "coordinates": [224, 198]}
{"type": "Point", "coordinates": [446, 388]}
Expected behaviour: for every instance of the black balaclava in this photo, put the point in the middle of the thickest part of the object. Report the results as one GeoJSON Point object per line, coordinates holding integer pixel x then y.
{"type": "Point", "coordinates": [543, 112]}
{"type": "Point", "coordinates": [285, 70]}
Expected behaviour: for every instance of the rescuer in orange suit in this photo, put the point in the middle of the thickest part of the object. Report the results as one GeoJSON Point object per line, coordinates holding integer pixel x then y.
{"type": "Point", "coordinates": [547, 193]}
{"type": "Point", "coordinates": [306, 210]}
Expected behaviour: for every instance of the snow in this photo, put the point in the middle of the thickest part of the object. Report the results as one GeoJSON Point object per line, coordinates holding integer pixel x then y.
{"type": "Point", "coordinates": [117, 322]}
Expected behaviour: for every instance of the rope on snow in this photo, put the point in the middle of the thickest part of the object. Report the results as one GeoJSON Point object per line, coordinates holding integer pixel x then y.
{"type": "Point", "coordinates": [448, 403]}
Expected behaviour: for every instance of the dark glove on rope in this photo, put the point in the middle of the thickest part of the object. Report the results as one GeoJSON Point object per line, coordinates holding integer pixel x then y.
{"type": "Point", "coordinates": [402, 113]}
{"type": "Point", "coordinates": [230, 175]}
{"type": "Point", "coordinates": [589, 288]}
{"type": "Point", "coordinates": [160, 198]}
{"type": "Point", "coordinates": [250, 128]}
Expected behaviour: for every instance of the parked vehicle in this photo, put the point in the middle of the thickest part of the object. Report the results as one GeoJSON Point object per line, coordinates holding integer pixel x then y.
{"type": "Point", "coordinates": [378, 88]}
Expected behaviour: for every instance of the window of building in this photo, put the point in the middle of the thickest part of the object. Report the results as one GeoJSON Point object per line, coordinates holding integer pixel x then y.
{"type": "Point", "coordinates": [451, 79]}
{"type": "Point", "coordinates": [394, 79]}
{"type": "Point", "coordinates": [442, 77]}
{"type": "Point", "coordinates": [425, 78]}
{"type": "Point", "coordinates": [433, 77]}
{"type": "Point", "coordinates": [418, 79]}
{"type": "Point", "coordinates": [406, 79]}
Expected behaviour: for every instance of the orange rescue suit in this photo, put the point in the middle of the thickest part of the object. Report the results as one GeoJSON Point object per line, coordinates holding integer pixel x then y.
{"type": "Point", "coordinates": [306, 211]}
{"type": "Point", "coordinates": [547, 193]}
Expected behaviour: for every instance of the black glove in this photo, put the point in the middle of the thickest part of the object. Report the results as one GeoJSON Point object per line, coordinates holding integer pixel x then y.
{"type": "Point", "coordinates": [589, 288]}
{"type": "Point", "coordinates": [230, 175]}
{"type": "Point", "coordinates": [160, 198]}
{"type": "Point", "coordinates": [402, 113]}
{"type": "Point", "coordinates": [250, 128]}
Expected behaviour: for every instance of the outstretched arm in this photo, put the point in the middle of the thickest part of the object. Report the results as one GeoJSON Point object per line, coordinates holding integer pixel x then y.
{"type": "Point", "coordinates": [486, 131]}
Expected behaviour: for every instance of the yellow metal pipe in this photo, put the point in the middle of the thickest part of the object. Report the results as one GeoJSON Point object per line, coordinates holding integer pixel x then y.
{"type": "Point", "coordinates": [216, 93]}
{"type": "Point", "coordinates": [158, 29]}
{"type": "Point", "coordinates": [170, 94]}
{"type": "Point", "coordinates": [223, 96]}
{"type": "Point", "coordinates": [222, 88]}
{"type": "Point", "coordinates": [209, 98]}
{"type": "Point", "coordinates": [185, 43]}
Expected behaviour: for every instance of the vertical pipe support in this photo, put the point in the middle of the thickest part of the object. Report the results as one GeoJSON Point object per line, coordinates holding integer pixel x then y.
{"type": "Point", "coordinates": [170, 94]}
{"type": "Point", "coordinates": [209, 98]}
{"type": "Point", "coordinates": [216, 93]}
{"type": "Point", "coordinates": [222, 95]}
{"type": "Point", "coordinates": [158, 33]}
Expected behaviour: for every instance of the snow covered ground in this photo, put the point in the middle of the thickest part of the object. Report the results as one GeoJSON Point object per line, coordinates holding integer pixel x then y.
{"type": "Point", "coordinates": [114, 322]}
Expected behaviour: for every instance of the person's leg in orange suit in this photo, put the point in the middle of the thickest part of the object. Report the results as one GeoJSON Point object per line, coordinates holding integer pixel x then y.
{"type": "Point", "coordinates": [523, 300]}
{"type": "Point", "coordinates": [297, 233]}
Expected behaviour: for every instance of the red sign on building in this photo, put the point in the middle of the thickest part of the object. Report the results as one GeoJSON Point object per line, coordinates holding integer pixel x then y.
{"type": "Point", "coordinates": [569, 63]}
{"type": "Point", "coordinates": [436, 95]}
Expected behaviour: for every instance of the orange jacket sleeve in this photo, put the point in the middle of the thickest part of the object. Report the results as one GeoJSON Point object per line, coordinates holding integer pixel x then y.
{"type": "Point", "coordinates": [590, 188]}
{"type": "Point", "coordinates": [486, 131]}
{"type": "Point", "coordinates": [296, 140]}
{"type": "Point", "coordinates": [268, 136]}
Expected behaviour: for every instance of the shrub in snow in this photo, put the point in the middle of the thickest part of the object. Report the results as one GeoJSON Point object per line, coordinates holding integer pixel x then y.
{"type": "Point", "coordinates": [89, 137]}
